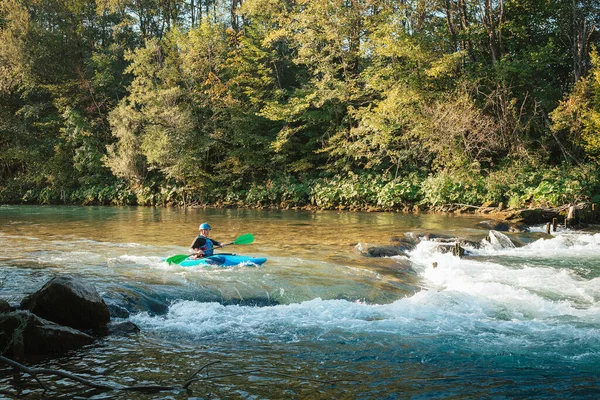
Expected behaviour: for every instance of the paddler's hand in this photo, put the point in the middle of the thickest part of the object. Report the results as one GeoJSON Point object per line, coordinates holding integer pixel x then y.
{"type": "Point", "coordinates": [199, 254]}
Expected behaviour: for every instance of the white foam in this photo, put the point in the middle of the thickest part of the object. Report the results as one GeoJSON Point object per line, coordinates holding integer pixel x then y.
{"type": "Point", "coordinates": [285, 321]}
{"type": "Point", "coordinates": [521, 291]}
{"type": "Point", "coordinates": [567, 244]}
{"type": "Point", "coordinates": [141, 259]}
{"type": "Point", "coordinates": [466, 320]}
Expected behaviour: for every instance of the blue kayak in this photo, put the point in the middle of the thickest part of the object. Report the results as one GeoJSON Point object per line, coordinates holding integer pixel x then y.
{"type": "Point", "coordinates": [223, 260]}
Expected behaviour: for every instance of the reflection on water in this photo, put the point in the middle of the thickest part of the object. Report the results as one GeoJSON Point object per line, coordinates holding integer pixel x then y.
{"type": "Point", "coordinates": [503, 322]}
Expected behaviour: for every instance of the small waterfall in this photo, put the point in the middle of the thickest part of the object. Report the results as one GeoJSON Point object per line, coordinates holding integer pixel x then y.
{"type": "Point", "coordinates": [499, 241]}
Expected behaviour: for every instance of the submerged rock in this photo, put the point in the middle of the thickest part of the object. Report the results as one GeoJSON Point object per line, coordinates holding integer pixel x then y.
{"type": "Point", "coordinates": [116, 309]}
{"type": "Point", "coordinates": [384, 251]}
{"type": "Point", "coordinates": [123, 328]}
{"type": "Point", "coordinates": [400, 246]}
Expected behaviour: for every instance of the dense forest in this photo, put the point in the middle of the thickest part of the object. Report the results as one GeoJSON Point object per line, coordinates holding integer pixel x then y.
{"type": "Point", "coordinates": [361, 104]}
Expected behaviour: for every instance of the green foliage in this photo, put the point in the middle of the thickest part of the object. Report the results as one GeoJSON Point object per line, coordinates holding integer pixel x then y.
{"type": "Point", "coordinates": [399, 192]}
{"type": "Point", "coordinates": [452, 188]}
{"type": "Point", "coordinates": [579, 113]}
{"type": "Point", "coordinates": [530, 185]}
{"type": "Point", "coordinates": [14, 69]}
{"type": "Point", "coordinates": [332, 104]}
{"type": "Point", "coordinates": [365, 191]}
{"type": "Point", "coordinates": [457, 133]}
{"type": "Point", "coordinates": [559, 186]}
{"type": "Point", "coordinates": [280, 192]}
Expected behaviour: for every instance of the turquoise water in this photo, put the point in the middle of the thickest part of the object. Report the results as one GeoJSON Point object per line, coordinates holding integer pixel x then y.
{"type": "Point", "coordinates": [318, 320]}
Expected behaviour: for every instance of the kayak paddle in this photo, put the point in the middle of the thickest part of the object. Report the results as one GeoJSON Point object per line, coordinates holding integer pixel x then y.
{"type": "Point", "coordinates": [244, 239]}
{"type": "Point", "coordinates": [177, 259]}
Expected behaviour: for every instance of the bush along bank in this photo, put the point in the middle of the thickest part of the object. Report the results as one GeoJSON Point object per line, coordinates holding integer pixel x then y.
{"type": "Point", "coordinates": [550, 189]}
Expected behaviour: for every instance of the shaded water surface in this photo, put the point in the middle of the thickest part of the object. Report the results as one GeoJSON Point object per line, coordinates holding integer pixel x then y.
{"type": "Point", "coordinates": [318, 320]}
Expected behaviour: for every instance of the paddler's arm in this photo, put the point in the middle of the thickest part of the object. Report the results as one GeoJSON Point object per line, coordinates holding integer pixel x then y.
{"type": "Point", "coordinates": [194, 249]}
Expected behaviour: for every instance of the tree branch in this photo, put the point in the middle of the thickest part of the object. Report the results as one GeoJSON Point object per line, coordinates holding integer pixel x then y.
{"type": "Point", "coordinates": [34, 372]}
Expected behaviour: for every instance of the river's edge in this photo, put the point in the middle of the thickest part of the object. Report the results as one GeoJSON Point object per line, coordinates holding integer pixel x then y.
{"type": "Point", "coordinates": [570, 214]}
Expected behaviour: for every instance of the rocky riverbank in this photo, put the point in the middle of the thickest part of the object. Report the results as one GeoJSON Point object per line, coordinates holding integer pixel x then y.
{"type": "Point", "coordinates": [570, 214]}
{"type": "Point", "coordinates": [580, 216]}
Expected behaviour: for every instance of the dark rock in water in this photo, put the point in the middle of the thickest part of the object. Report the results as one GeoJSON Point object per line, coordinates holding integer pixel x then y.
{"type": "Point", "coordinates": [411, 239]}
{"type": "Point", "coordinates": [123, 328]}
{"type": "Point", "coordinates": [401, 244]}
{"type": "Point", "coordinates": [384, 251]}
{"type": "Point", "coordinates": [115, 309]}
{"type": "Point", "coordinates": [502, 226]}
{"type": "Point", "coordinates": [133, 298]}
{"type": "Point", "coordinates": [407, 242]}
{"type": "Point", "coordinates": [25, 334]}
{"type": "Point", "coordinates": [431, 236]}
{"type": "Point", "coordinates": [69, 301]}
{"type": "Point", "coordinates": [4, 306]}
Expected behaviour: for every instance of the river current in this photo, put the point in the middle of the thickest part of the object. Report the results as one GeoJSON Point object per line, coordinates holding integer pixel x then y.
{"type": "Point", "coordinates": [518, 317]}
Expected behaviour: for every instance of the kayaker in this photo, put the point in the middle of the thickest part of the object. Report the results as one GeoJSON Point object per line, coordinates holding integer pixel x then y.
{"type": "Point", "coordinates": [202, 245]}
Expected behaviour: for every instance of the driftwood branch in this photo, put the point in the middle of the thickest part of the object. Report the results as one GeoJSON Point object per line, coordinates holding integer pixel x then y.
{"type": "Point", "coordinates": [465, 205]}
{"type": "Point", "coordinates": [578, 206]}
{"type": "Point", "coordinates": [36, 372]}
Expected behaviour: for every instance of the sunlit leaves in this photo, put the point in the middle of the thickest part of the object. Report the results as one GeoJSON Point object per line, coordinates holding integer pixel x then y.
{"type": "Point", "coordinates": [14, 68]}
{"type": "Point", "coordinates": [206, 94]}
{"type": "Point", "coordinates": [579, 113]}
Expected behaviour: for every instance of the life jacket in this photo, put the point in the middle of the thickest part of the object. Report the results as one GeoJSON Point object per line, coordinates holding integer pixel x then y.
{"type": "Point", "coordinates": [208, 247]}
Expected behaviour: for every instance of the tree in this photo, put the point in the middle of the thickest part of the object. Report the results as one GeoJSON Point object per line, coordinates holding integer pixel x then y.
{"type": "Point", "coordinates": [578, 115]}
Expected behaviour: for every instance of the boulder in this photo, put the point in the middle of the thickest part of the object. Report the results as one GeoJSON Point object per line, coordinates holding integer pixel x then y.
{"type": "Point", "coordinates": [69, 301]}
{"type": "Point", "coordinates": [123, 328]}
{"type": "Point", "coordinates": [25, 334]}
{"type": "Point", "coordinates": [116, 309]}
{"type": "Point", "coordinates": [4, 306]}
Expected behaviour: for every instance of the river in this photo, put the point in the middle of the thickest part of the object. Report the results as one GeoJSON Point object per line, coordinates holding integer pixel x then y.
{"type": "Point", "coordinates": [318, 320]}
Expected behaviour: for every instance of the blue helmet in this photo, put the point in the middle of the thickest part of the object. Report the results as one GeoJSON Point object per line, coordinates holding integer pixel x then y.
{"type": "Point", "coordinates": [204, 225]}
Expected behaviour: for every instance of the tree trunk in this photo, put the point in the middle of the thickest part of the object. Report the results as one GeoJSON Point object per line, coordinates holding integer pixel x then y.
{"type": "Point", "coordinates": [235, 23]}
{"type": "Point", "coordinates": [464, 24]}
{"type": "Point", "coordinates": [450, 22]}
{"type": "Point", "coordinates": [492, 21]}
{"type": "Point", "coordinates": [581, 33]}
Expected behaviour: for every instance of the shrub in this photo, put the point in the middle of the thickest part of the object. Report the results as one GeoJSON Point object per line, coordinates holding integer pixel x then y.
{"type": "Point", "coordinates": [448, 188]}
